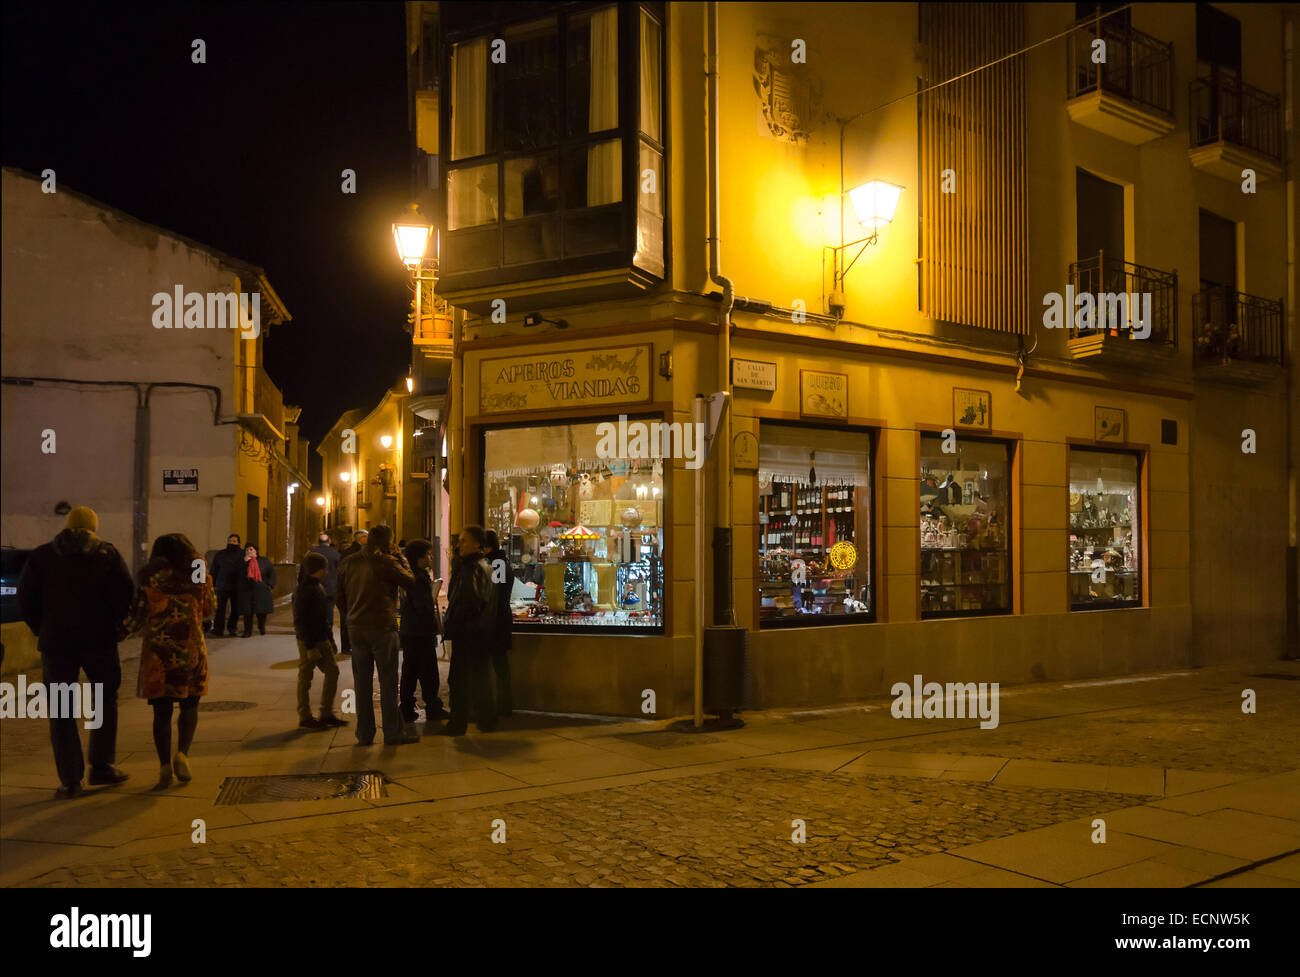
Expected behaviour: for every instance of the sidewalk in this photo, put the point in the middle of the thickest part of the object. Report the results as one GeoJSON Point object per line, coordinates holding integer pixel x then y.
{"type": "Point", "coordinates": [1190, 790]}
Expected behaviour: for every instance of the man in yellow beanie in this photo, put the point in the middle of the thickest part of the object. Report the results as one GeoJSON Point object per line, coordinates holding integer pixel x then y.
{"type": "Point", "coordinates": [74, 592]}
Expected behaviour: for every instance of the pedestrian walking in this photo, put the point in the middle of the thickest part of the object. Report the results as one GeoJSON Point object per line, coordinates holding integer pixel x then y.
{"type": "Point", "coordinates": [169, 607]}
{"type": "Point", "coordinates": [313, 624]}
{"type": "Point", "coordinates": [75, 593]}
{"type": "Point", "coordinates": [469, 624]}
{"type": "Point", "coordinates": [329, 582]}
{"type": "Point", "coordinates": [419, 630]}
{"type": "Point", "coordinates": [226, 569]}
{"type": "Point", "coordinates": [368, 584]}
{"type": "Point", "coordinates": [358, 543]}
{"type": "Point", "coordinates": [255, 594]}
{"type": "Point", "coordinates": [503, 578]}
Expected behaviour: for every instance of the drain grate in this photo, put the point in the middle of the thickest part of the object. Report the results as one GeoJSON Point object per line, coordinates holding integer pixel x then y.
{"type": "Point", "coordinates": [1278, 675]}
{"type": "Point", "coordinates": [224, 705]}
{"type": "Point", "coordinates": [364, 784]}
{"type": "Point", "coordinates": [666, 739]}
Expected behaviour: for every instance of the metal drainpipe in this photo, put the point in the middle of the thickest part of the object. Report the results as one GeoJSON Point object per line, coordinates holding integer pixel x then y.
{"type": "Point", "coordinates": [1292, 638]}
{"type": "Point", "coordinates": [723, 603]}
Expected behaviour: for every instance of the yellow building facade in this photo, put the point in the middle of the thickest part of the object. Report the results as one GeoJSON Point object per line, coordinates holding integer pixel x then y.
{"type": "Point", "coordinates": [919, 474]}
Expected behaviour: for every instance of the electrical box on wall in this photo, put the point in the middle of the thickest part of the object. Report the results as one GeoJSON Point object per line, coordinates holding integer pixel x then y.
{"type": "Point", "coordinates": [1168, 432]}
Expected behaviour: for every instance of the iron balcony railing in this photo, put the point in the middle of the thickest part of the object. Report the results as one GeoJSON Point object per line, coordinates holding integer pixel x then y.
{"type": "Point", "coordinates": [1225, 108]}
{"type": "Point", "coordinates": [1230, 326]}
{"type": "Point", "coordinates": [1138, 67]}
{"type": "Point", "coordinates": [1105, 279]}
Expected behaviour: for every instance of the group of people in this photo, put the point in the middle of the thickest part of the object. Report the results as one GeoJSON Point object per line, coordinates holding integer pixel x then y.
{"type": "Point", "coordinates": [78, 597]}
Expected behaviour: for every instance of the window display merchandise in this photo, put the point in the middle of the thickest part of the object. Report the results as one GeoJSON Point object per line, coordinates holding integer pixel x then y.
{"type": "Point", "coordinates": [1104, 540]}
{"type": "Point", "coordinates": [814, 525]}
{"type": "Point", "coordinates": [965, 519]}
{"type": "Point", "coordinates": [584, 534]}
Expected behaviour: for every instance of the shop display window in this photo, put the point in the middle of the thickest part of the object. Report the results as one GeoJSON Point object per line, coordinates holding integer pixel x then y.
{"type": "Point", "coordinates": [584, 533]}
{"type": "Point", "coordinates": [965, 527]}
{"type": "Point", "coordinates": [814, 532]}
{"type": "Point", "coordinates": [1105, 541]}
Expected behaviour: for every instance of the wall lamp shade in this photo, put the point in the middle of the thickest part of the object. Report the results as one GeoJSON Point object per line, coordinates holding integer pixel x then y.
{"type": "Point", "coordinates": [386, 441]}
{"type": "Point", "coordinates": [874, 203]}
{"type": "Point", "coordinates": [345, 476]}
{"type": "Point", "coordinates": [320, 500]}
{"type": "Point", "coordinates": [412, 234]}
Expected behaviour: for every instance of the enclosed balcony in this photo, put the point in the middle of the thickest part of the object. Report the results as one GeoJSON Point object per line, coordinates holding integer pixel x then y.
{"type": "Point", "coordinates": [1234, 126]}
{"type": "Point", "coordinates": [1236, 336]}
{"type": "Point", "coordinates": [1135, 312]}
{"type": "Point", "coordinates": [1130, 96]}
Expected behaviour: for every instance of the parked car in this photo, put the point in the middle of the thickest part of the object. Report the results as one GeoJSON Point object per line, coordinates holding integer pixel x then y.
{"type": "Point", "coordinates": [12, 561]}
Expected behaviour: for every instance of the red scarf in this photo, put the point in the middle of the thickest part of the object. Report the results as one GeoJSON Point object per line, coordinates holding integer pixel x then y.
{"type": "Point", "coordinates": [255, 569]}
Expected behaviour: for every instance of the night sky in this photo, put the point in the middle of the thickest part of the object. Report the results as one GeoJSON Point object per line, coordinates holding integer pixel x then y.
{"type": "Point", "coordinates": [244, 154]}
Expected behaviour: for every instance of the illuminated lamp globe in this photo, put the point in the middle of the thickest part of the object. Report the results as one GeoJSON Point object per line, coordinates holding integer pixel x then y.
{"type": "Point", "coordinates": [345, 476]}
{"type": "Point", "coordinates": [386, 441]}
{"type": "Point", "coordinates": [874, 203]}
{"type": "Point", "coordinates": [412, 233]}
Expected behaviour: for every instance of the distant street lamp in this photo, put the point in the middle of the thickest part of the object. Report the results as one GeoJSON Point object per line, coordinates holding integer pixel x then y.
{"type": "Point", "coordinates": [320, 501]}
{"type": "Point", "coordinates": [345, 476]}
{"type": "Point", "coordinates": [386, 441]}
{"type": "Point", "coordinates": [412, 233]}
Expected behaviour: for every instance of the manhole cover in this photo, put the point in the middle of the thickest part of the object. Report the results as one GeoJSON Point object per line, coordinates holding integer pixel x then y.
{"type": "Point", "coordinates": [224, 705]}
{"type": "Point", "coordinates": [663, 739]}
{"type": "Point", "coordinates": [302, 787]}
{"type": "Point", "coordinates": [1278, 675]}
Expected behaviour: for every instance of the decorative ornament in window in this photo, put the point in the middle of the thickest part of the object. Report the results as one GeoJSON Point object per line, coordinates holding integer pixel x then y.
{"type": "Point", "coordinates": [785, 96]}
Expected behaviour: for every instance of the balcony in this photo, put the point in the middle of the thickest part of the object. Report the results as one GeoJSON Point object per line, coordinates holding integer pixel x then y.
{"type": "Point", "coordinates": [1237, 337]}
{"type": "Point", "coordinates": [1131, 96]}
{"type": "Point", "coordinates": [1115, 339]}
{"type": "Point", "coordinates": [1234, 126]}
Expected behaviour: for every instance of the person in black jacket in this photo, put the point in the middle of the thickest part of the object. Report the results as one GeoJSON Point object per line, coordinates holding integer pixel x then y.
{"type": "Point", "coordinates": [358, 543]}
{"type": "Point", "coordinates": [225, 570]}
{"type": "Point", "coordinates": [75, 593]}
{"type": "Point", "coordinates": [503, 578]}
{"type": "Point", "coordinates": [313, 623]}
{"type": "Point", "coordinates": [470, 623]}
{"type": "Point", "coordinates": [419, 631]}
{"type": "Point", "coordinates": [255, 595]}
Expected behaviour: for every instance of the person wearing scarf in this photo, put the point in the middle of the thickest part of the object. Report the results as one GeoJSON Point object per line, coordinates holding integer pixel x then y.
{"type": "Point", "coordinates": [255, 594]}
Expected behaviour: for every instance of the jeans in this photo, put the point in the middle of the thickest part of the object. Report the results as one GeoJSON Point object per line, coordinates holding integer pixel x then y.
{"type": "Point", "coordinates": [219, 625]}
{"type": "Point", "coordinates": [420, 664]}
{"type": "Point", "coordinates": [371, 650]}
{"type": "Point", "coordinates": [65, 733]}
{"type": "Point", "coordinates": [309, 659]}
{"type": "Point", "coordinates": [470, 678]}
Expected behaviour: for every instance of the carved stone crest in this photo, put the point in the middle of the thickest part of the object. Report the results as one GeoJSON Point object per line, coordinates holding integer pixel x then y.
{"type": "Point", "coordinates": [785, 98]}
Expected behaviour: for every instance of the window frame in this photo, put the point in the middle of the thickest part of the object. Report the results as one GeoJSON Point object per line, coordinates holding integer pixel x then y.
{"type": "Point", "coordinates": [626, 630]}
{"type": "Point", "coordinates": [1142, 515]}
{"type": "Point", "coordinates": [872, 562]}
{"type": "Point", "coordinates": [500, 18]}
{"type": "Point", "coordinates": [1011, 529]}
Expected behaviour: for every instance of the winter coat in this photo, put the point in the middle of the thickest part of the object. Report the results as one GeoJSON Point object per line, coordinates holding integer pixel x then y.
{"type": "Point", "coordinates": [226, 568]}
{"type": "Point", "coordinates": [171, 609]}
{"type": "Point", "coordinates": [471, 602]}
{"type": "Point", "coordinates": [420, 615]}
{"type": "Point", "coordinates": [502, 635]}
{"type": "Point", "coordinates": [253, 597]}
{"type": "Point", "coordinates": [313, 617]}
{"type": "Point", "coordinates": [332, 558]}
{"type": "Point", "coordinates": [368, 585]}
{"type": "Point", "coordinates": [75, 593]}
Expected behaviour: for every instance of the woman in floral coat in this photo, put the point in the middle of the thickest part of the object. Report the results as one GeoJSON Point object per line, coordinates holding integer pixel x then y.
{"type": "Point", "coordinates": [171, 609]}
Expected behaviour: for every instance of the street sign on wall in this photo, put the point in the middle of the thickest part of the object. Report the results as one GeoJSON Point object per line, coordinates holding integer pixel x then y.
{"type": "Point", "coordinates": [180, 479]}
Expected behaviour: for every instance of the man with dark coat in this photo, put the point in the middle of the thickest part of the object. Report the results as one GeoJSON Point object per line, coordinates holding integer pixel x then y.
{"type": "Point", "coordinates": [419, 631]}
{"type": "Point", "coordinates": [75, 593]}
{"type": "Point", "coordinates": [225, 571]}
{"type": "Point", "coordinates": [503, 578]}
{"type": "Point", "coordinates": [470, 624]}
{"type": "Point", "coordinates": [367, 596]}
{"type": "Point", "coordinates": [358, 543]}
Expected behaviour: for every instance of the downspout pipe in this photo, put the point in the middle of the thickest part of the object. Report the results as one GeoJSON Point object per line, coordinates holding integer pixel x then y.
{"type": "Point", "coordinates": [723, 598]}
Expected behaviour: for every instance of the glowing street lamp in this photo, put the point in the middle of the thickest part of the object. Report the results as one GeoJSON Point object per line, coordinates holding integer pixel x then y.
{"type": "Point", "coordinates": [412, 233]}
{"type": "Point", "coordinates": [386, 441]}
{"type": "Point", "coordinates": [874, 204]}
{"type": "Point", "coordinates": [345, 476]}
{"type": "Point", "coordinates": [320, 501]}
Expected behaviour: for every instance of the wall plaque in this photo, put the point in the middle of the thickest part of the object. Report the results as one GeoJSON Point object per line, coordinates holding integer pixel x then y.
{"type": "Point", "coordinates": [572, 378]}
{"type": "Point", "coordinates": [753, 374]}
{"type": "Point", "coordinates": [744, 452]}
{"type": "Point", "coordinates": [823, 394]}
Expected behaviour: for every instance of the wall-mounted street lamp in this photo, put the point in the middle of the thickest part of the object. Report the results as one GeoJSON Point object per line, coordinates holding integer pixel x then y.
{"type": "Point", "coordinates": [386, 441]}
{"type": "Point", "coordinates": [320, 501]}
{"type": "Point", "coordinates": [345, 476]}
{"type": "Point", "coordinates": [412, 234]}
{"type": "Point", "coordinates": [873, 204]}
{"type": "Point", "coordinates": [410, 381]}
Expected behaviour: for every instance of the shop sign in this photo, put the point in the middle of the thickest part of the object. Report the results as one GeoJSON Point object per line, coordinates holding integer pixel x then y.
{"type": "Point", "coordinates": [972, 408]}
{"type": "Point", "coordinates": [180, 479]}
{"type": "Point", "coordinates": [1108, 424]}
{"type": "Point", "coordinates": [753, 374]}
{"type": "Point", "coordinates": [823, 394]}
{"type": "Point", "coordinates": [744, 452]}
{"type": "Point", "coordinates": [573, 378]}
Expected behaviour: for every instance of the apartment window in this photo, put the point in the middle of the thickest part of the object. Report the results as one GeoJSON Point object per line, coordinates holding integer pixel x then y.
{"type": "Point", "coordinates": [1105, 535]}
{"type": "Point", "coordinates": [548, 146]}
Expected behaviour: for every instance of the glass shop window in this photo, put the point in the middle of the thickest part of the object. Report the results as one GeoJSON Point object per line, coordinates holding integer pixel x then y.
{"type": "Point", "coordinates": [814, 533]}
{"type": "Point", "coordinates": [584, 533]}
{"type": "Point", "coordinates": [1105, 538]}
{"type": "Point", "coordinates": [965, 527]}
